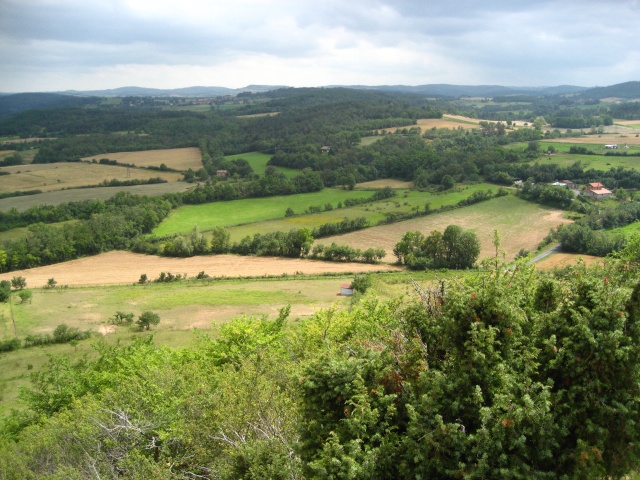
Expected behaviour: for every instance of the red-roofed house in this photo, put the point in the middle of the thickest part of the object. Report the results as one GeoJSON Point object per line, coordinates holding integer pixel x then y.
{"type": "Point", "coordinates": [597, 190]}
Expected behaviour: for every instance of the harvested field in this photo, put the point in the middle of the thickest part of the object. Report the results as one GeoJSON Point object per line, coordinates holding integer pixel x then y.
{"type": "Point", "coordinates": [383, 183]}
{"type": "Point", "coordinates": [113, 268]}
{"type": "Point", "coordinates": [447, 121]}
{"type": "Point", "coordinates": [522, 225]}
{"type": "Point", "coordinates": [79, 194]}
{"type": "Point", "coordinates": [59, 176]}
{"type": "Point", "coordinates": [174, 158]}
{"type": "Point", "coordinates": [560, 260]}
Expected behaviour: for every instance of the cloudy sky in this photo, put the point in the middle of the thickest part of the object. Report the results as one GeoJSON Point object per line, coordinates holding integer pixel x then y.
{"type": "Point", "coordinates": [53, 45]}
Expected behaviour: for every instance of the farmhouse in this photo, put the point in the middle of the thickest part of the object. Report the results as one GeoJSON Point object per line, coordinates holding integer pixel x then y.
{"type": "Point", "coordinates": [325, 149]}
{"type": "Point", "coordinates": [345, 289]}
{"type": "Point", "coordinates": [597, 190]}
{"type": "Point", "coordinates": [569, 184]}
{"type": "Point", "coordinates": [221, 173]}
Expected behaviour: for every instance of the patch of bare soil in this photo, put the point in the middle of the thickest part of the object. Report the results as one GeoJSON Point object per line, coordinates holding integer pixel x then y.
{"type": "Point", "coordinates": [113, 268]}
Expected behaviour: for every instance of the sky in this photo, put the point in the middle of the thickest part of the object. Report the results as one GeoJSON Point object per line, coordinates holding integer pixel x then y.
{"type": "Point", "coordinates": [57, 45]}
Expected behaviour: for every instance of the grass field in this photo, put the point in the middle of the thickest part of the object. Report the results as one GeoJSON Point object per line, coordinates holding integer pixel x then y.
{"type": "Point", "coordinates": [79, 194]}
{"type": "Point", "coordinates": [174, 158]}
{"type": "Point", "coordinates": [182, 307]}
{"type": "Point", "coordinates": [597, 162]}
{"type": "Point", "coordinates": [59, 176]}
{"type": "Point", "coordinates": [406, 202]}
{"type": "Point", "coordinates": [522, 225]}
{"type": "Point", "coordinates": [258, 162]}
{"type": "Point", "coordinates": [237, 212]}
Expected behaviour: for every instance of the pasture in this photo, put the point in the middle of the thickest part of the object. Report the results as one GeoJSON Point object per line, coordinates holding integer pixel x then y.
{"type": "Point", "coordinates": [183, 307]}
{"type": "Point", "coordinates": [406, 202]}
{"type": "Point", "coordinates": [522, 225]}
{"type": "Point", "coordinates": [250, 210]}
{"type": "Point", "coordinates": [175, 158]}
{"type": "Point", "coordinates": [596, 162]}
{"type": "Point", "coordinates": [59, 176]}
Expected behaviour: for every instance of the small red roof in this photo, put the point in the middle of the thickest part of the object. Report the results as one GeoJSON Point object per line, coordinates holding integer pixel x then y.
{"type": "Point", "coordinates": [345, 285]}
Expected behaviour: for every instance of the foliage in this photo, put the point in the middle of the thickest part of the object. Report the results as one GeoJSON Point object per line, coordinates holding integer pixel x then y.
{"type": "Point", "coordinates": [25, 296]}
{"type": "Point", "coordinates": [146, 319]}
{"type": "Point", "coordinates": [455, 248]}
{"type": "Point", "coordinates": [5, 290]}
{"type": "Point", "coordinates": [361, 283]}
{"type": "Point", "coordinates": [18, 283]}
{"type": "Point", "coordinates": [503, 374]}
{"type": "Point", "coordinates": [122, 318]}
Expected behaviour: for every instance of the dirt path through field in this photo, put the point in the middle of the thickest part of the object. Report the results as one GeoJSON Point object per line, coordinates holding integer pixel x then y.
{"type": "Point", "coordinates": [113, 268]}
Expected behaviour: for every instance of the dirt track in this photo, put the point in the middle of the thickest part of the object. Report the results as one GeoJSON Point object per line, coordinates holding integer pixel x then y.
{"type": "Point", "coordinates": [119, 267]}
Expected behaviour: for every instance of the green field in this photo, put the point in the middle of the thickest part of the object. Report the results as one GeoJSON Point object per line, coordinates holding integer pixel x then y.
{"type": "Point", "coordinates": [407, 201]}
{"type": "Point", "coordinates": [182, 306]}
{"type": "Point", "coordinates": [597, 162]}
{"type": "Point", "coordinates": [258, 162]}
{"type": "Point", "coordinates": [250, 210]}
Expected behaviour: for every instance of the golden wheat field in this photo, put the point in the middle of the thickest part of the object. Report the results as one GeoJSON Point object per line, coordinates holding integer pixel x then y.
{"type": "Point", "coordinates": [119, 267]}
{"type": "Point", "coordinates": [174, 158]}
{"type": "Point", "coordinates": [58, 176]}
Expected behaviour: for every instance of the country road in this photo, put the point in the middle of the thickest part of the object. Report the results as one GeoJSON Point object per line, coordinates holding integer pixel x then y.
{"type": "Point", "coordinates": [537, 258]}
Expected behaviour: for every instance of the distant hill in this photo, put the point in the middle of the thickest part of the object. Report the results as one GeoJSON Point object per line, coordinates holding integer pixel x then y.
{"type": "Point", "coordinates": [197, 91]}
{"type": "Point", "coordinates": [20, 102]}
{"type": "Point", "coordinates": [445, 90]}
{"type": "Point", "coordinates": [627, 90]}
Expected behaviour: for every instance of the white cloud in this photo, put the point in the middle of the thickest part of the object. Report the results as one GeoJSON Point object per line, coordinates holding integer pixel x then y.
{"type": "Point", "coordinates": [58, 44]}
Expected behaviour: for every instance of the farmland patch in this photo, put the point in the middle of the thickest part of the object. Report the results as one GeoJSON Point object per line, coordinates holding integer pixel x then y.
{"type": "Point", "coordinates": [80, 194]}
{"type": "Point", "coordinates": [58, 176]}
{"type": "Point", "coordinates": [174, 158]}
{"type": "Point", "coordinates": [120, 267]}
{"type": "Point", "coordinates": [522, 225]}
{"type": "Point", "coordinates": [236, 212]}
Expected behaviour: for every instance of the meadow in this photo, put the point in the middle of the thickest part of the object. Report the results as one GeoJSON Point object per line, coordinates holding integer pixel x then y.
{"type": "Point", "coordinates": [187, 309]}
{"type": "Point", "coordinates": [250, 210]}
{"type": "Point", "coordinates": [522, 225]}
{"type": "Point", "coordinates": [406, 202]}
